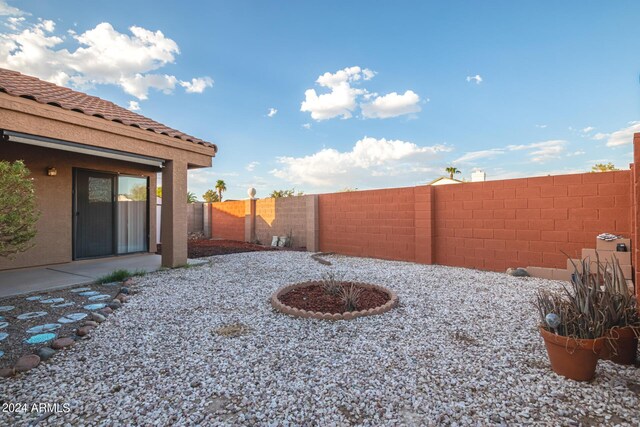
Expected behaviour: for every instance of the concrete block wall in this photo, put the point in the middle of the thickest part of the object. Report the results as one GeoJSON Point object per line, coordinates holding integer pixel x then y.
{"type": "Point", "coordinates": [281, 217]}
{"type": "Point", "coordinates": [494, 225]}
{"type": "Point", "coordinates": [227, 220]}
{"type": "Point", "coordinates": [375, 223]}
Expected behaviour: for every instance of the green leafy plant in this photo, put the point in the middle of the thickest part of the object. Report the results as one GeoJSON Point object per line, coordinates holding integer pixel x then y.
{"type": "Point", "coordinates": [350, 297]}
{"type": "Point", "coordinates": [604, 167]}
{"type": "Point", "coordinates": [191, 197]}
{"type": "Point", "coordinates": [210, 196]}
{"type": "Point", "coordinates": [119, 276]}
{"type": "Point", "coordinates": [451, 170]}
{"type": "Point", "coordinates": [220, 187]}
{"type": "Point", "coordinates": [18, 211]}
{"type": "Point", "coordinates": [276, 194]}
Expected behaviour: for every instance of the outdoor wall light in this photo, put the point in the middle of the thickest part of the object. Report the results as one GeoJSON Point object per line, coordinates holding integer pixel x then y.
{"type": "Point", "coordinates": [52, 171]}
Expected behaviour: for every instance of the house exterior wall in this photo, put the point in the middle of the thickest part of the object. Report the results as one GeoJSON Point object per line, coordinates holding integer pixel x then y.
{"type": "Point", "coordinates": [53, 242]}
{"type": "Point", "coordinates": [30, 117]}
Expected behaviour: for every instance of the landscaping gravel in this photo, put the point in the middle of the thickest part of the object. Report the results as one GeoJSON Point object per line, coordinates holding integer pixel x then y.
{"type": "Point", "coordinates": [202, 346]}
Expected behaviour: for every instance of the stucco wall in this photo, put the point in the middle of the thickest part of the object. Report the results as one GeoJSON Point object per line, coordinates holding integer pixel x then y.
{"type": "Point", "coordinates": [53, 243]}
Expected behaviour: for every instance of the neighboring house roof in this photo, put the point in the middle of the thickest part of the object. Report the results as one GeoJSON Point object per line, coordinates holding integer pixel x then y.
{"type": "Point", "coordinates": [17, 84]}
{"type": "Point", "coordinates": [445, 180]}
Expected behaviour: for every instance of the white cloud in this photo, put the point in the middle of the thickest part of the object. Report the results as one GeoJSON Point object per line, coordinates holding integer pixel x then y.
{"type": "Point", "coordinates": [6, 10]}
{"type": "Point", "coordinates": [251, 166]}
{"type": "Point", "coordinates": [370, 161]}
{"type": "Point", "coordinates": [599, 136]}
{"type": "Point", "coordinates": [541, 126]}
{"type": "Point", "coordinates": [197, 84]}
{"type": "Point", "coordinates": [344, 99]}
{"type": "Point", "coordinates": [134, 106]}
{"type": "Point", "coordinates": [540, 152]}
{"type": "Point", "coordinates": [477, 78]}
{"type": "Point", "coordinates": [272, 112]}
{"type": "Point", "coordinates": [341, 101]}
{"type": "Point", "coordinates": [391, 105]}
{"type": "Point", "coordinates": [472, 156]}
{"type": "Point", "coordinates": [307, 125]}
{"type": "Point", "coordinates": [588, 129]}
{"type": "Point", "coordinates": [102, 56]}
{"type": "Point", "coordinates": [623, 136]}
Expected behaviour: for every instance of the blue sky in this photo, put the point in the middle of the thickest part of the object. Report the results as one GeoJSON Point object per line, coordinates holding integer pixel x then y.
{"type": "Point", "coordinates": [368, 94]}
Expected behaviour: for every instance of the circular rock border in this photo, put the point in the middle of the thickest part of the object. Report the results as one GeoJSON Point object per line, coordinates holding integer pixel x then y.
{"type": "Point", "coordinates": [296, 312]}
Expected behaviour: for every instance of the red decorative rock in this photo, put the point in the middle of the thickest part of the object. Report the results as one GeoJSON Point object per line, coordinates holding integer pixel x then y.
{"type": "Point", "coordinates": [106, 311]}
{"type": "Point", "coordinates": [27, 362]}
{"type": "Point", "coordinates": [85, 330]}
{"type": "Point", "coordinates": [90, 323]}
{"type": "Point", "coordinates": [61, 343]}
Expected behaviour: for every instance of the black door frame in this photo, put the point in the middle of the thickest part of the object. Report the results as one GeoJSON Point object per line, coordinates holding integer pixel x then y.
{"type": "Point", "coordinates": [114, 228]}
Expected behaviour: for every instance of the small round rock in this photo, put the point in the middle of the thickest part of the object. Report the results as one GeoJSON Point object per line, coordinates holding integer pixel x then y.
{"type": "Point", "coordinates": [84, 330]}
{"type": "Point", "coordinates": [7, 372]}
{"type": "Point", "coordinates": [61, 343]}
{"type": "Point", "coordinates": [97, 317]}
{"type": "Point", "coordinates": [27, 362]}
{"type": "Point", "coordinates": [46, 353]}
{"type": "Point", "coordinates": [517, 272]}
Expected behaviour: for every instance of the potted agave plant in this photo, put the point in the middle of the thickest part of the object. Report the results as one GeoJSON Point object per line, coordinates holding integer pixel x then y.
{"type": "Point", "coordinates": [620, 303]}
{"type": "Point", "coordinates": [594, 318]}
{"type": "Point", "coordinates": [573, 330]}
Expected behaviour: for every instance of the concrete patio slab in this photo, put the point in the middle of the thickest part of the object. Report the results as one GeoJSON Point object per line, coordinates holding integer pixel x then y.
{"type": "Point", "coordinates": [27, 280]}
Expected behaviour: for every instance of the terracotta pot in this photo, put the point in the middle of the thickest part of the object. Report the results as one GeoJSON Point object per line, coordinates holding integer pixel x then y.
{"type": "Point", "coordinates": [621, 346]}
{"type": "Point", "coordinates": [573, 358]}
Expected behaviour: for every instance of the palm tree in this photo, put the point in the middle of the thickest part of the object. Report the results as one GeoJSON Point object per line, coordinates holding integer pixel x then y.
{"type": "Point", "coordinates": [452, 171]}
{"type": "Point", "coordinates": [220, 187]}
{"type": "Point", "coordinates": [191, 197]}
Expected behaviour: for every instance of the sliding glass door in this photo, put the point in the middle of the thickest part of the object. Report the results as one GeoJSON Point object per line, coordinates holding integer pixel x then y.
{"type": "Point", "coordinates": [111, 214]}
{"type": "Point", "coordinates": [132, 214]}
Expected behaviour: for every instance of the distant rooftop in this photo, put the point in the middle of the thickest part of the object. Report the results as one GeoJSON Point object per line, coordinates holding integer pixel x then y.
{"type": "Point", "coordinates": [17, 84]}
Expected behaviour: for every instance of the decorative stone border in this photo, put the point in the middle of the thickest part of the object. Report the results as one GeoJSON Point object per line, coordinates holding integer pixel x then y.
{"type": "Point", "coordinates": [296, 312]}
{"type": "Point", "coordinates": [30, 361]}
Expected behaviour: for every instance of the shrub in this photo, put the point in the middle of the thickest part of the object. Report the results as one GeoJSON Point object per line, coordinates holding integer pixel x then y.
{"type": "Point", "coordinates": [18, 211]}
{"type": "Point", "coordinates": [350, 296]}
{"type": "Point", "coordinates": [330, 284]}
{"type": "Point", "coordinates": [119, 276]}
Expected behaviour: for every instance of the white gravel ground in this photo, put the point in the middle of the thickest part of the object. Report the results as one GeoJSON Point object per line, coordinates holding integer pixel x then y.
{"type": "Point", "coordinates": [462, 348]}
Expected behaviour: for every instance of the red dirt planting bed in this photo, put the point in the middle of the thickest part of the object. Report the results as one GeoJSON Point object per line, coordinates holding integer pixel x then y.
{"type": "Point", "coordinates": [205, 247]}
{"type": "Point", "coordinates": [309, 299]}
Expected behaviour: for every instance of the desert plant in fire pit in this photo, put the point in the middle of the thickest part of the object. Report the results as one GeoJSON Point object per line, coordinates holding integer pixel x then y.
{"type": "Point", "coordinates": [333, 299]}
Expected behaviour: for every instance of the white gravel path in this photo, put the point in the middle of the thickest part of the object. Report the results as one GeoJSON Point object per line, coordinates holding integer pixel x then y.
{"type": "Point", "coordinates": [462, 348]}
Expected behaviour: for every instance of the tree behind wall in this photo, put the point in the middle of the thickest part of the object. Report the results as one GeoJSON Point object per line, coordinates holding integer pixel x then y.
{"type": "Point", "coordinates": [210, 196]}
{"type": "Point", "coordinates": [18, 212]}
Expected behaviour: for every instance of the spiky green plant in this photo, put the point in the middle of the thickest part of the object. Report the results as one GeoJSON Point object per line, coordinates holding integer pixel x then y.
{"type": "Point", "coordinates": [350, 296]}
{"type": "Point", "coordinates": [331, 284]}
{"type": "Point", "coordinates": [593, 303]}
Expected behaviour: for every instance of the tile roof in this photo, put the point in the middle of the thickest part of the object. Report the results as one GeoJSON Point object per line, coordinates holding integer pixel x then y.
{"type": "Point", "coordinates": [17, 84]}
